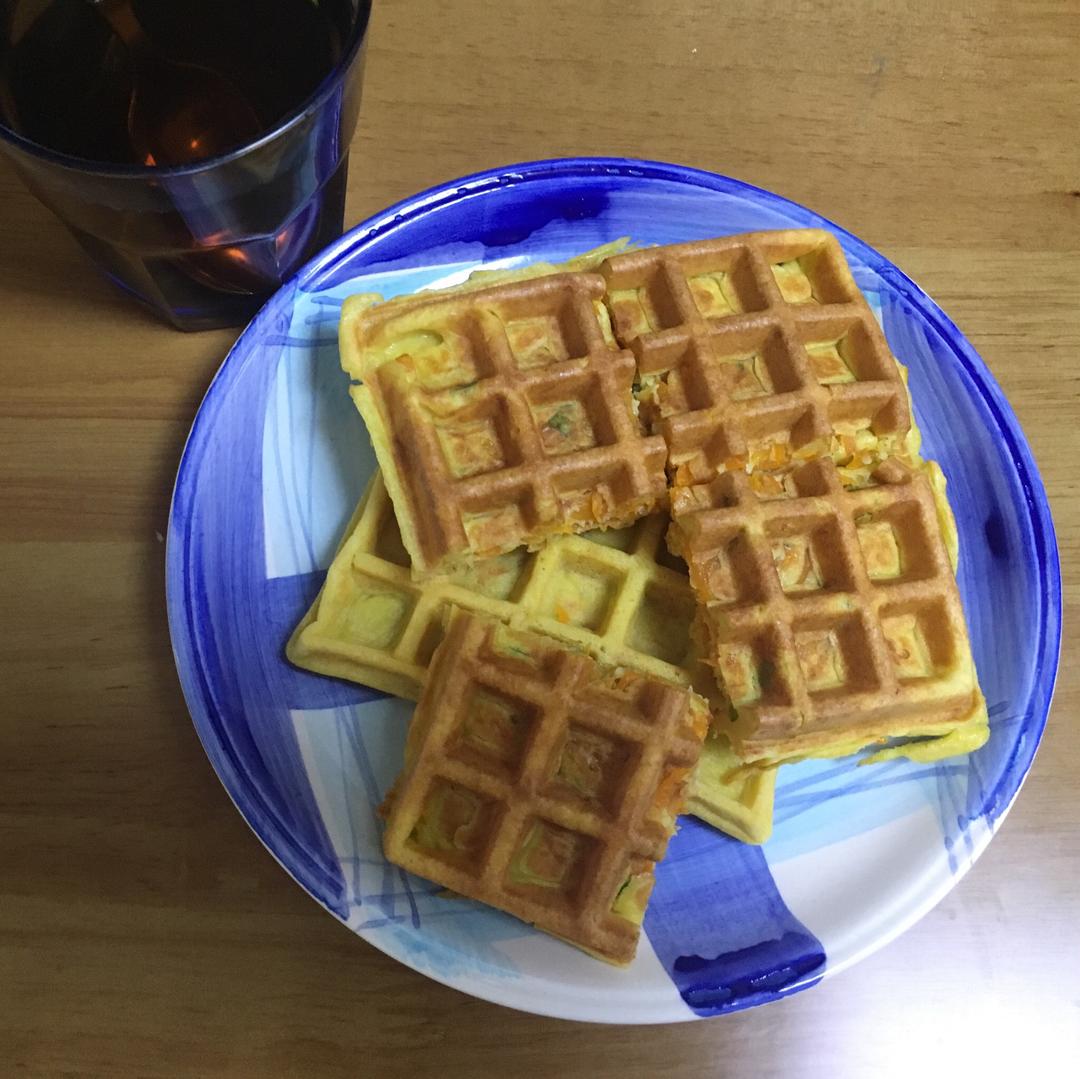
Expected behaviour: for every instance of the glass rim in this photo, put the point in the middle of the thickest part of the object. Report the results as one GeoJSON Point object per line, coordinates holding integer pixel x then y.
{"type": "Point", "coordinates": [88, 166]}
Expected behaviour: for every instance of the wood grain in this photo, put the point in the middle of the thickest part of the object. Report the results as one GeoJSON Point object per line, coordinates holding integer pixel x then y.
{"type": "Point", "coordinates": [143, 930]}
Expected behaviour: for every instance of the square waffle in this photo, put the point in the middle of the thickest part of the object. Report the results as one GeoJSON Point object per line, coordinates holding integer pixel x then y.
{"type": "Point", "coordinates": [758, 352]}
{"type": "Point", "coordinates": [500, 416]}
{"type": "Point", "coordinates": [831, 616]}
{"type": "Point", "coordinates": [617, 595]}
{"type": "Point", "coordinates": [543, 784]}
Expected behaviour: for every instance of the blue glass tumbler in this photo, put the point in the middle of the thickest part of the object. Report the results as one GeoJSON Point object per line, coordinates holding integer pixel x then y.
{"type": "Point", "coordinates": [201, 244]}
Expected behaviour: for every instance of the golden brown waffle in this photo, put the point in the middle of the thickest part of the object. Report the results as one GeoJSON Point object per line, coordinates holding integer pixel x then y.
{"type": "Point", "coordinates": [542, 784]}
{"type": "Point", "coordinates": [831, 616]}
{"type": "Point", "coordinates": [500, 416]}
{"type": "Point", "coordinates": [757, 352]}
{"type": "Point", "coordinates": [617, 595]}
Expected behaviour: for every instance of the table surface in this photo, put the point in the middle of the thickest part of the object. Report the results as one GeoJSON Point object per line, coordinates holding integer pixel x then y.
{"type": "Point", "coordinates": [143, 929]}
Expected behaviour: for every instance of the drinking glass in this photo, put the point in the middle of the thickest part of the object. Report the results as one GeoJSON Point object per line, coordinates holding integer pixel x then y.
{"type": "Point", "coordinates": [202, 243]}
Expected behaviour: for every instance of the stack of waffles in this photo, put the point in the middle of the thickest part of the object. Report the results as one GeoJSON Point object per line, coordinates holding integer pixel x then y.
{"type": "Point", "coordinates": [614, 498]}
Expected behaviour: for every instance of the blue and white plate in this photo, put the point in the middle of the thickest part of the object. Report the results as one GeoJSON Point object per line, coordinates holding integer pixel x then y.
{"type": "Point", "coordinates": [276, 462]}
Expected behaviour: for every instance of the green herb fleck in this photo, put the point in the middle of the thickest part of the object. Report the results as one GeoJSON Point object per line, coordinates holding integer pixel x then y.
{"type": "Point", "coordinates": [560, 421]}
{"type": "Point", "coordinates": [732, 713]}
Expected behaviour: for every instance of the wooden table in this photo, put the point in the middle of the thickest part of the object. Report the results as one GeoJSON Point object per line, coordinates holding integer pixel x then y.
{"type": "Point", "coordinates": [143, 929]}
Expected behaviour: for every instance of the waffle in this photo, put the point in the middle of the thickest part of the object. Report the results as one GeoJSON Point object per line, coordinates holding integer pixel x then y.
{"type": "Point", "coordinates": [542, 784]}
{"type": "Point", "coordinates": [500, 416]}
{"type": "Point", "coordinates": [731, 795]}
{"type": "Point", "coordinates": [830, 615]}
{"type": "Point", "coordinates": [758, 352]}
{"type": "Point", "coordinates": [617, 595]}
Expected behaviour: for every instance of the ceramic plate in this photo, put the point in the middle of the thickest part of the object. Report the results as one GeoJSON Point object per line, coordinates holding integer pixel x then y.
{"type": "Point", "coordinates": [275, 463]}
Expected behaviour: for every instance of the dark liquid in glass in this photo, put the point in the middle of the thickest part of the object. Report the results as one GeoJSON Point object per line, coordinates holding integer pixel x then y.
{"type": "Point", "coordinates": [67, 82]}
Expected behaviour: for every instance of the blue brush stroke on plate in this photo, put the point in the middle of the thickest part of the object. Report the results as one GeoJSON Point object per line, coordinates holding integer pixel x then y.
{"type": "Point", "coordinates": [740, 948]}
{"type": "Point", "coordinates": [269, 477]}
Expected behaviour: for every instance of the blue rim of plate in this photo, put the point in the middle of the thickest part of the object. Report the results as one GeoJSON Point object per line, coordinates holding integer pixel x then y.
{"type": "Point", "coordinates": [212, 721]}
